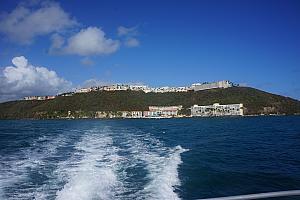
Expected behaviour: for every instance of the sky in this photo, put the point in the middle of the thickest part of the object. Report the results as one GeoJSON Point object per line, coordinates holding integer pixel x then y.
{"type": "Point", "coordinates": [47, 47]}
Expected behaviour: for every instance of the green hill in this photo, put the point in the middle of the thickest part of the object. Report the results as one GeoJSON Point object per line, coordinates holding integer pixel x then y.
{"type": "Point", "coordinates": [255, 102]}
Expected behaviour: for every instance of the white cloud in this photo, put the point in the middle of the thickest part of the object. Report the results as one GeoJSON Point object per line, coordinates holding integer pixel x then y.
{"type": "Point", "coordinates": [89, 41]}
{"type": "Point", "coordinates": [132, 42]}
{"type": "Point", "coordinates": [87, 61]}
{"type": "Point", "coordinates": [23, 79]}
{"type": "Point", "coordinates": [129, 36]}
{"type": "Point", "coordinates": [23, 24]}
{"type": "Point", "coordinates": [123, 31]}
{"type": "Point", "coordinates": [57, 42]}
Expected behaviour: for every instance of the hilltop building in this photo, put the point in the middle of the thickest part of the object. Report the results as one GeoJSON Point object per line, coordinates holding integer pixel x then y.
{"type": "Point", "coordinates": [217, 110]}
{"type": "Point", "coordinates": [144, 88]}
{"type": "Point", "coordinates": [38, 98]}
{"type": "Point", "coordinates": [115, 87]}
{"type": "Point", "coordinates": [138, 87]}
{"type": "Point", "coordinates": [83, 90]}
{"type": "Point", "coordinates": [207, 86]}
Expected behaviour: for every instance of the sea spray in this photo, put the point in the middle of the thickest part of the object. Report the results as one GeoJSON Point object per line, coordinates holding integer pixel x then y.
{"type": "Point", "coordinates": [163, 173]}
{"type": "Point", "coordinates": [161, 165]}
{"type": "Point", "coordinates": [91, 173]}
{"type": "Point", "coordinates": [16, 171]}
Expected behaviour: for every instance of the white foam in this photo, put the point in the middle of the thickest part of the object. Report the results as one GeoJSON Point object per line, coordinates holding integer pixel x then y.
{"type": "Point", "coordinates": [163, 174]}
{"type": "Point", "coordinates": [96, 171]}
{"type": "Point", "coordinates": [161, 163]}
{"type": "Point", "coordinates": [91, 174]}
{"type": "Point", "coordinates": [19, 165]}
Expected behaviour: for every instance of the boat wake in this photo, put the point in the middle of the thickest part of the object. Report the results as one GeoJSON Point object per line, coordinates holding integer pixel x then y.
{"type": "Point", "coordinates": [163, 173]}
{"type": "Point", "coordinates": [100, 163]}
{"type": "Point", "coordinates": [161, 164]}
{"type": "Point", "coordinates": [91, 172]}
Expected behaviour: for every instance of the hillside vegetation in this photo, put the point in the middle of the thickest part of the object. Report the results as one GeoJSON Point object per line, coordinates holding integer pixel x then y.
{"type": "Point", "coordinates": [255, 102]}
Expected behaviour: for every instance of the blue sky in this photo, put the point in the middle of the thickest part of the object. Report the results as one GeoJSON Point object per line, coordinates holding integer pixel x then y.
{"type": "Point", "coordinates": [254, 43]}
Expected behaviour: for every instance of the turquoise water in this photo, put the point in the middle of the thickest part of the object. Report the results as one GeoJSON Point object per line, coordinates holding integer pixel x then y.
{"type": "Point", "coordinates": [148, 159]}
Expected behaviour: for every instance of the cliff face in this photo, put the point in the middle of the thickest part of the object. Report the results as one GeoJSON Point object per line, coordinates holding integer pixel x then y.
{"type": "Point", "coordinates": [255, 102]}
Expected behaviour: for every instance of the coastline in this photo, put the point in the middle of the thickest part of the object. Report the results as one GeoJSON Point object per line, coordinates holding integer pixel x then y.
{"type": "Point", "coordinates": [158, 118]}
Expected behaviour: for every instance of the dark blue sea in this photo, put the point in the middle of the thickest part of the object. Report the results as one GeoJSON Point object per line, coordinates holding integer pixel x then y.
{"type": "Point", "coordinates": [148, 159]}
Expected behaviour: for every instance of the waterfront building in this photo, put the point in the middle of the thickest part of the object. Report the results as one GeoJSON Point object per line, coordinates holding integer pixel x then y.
{"type": "Point", "coordinates": [162, 111]}
{"type": "Point", "coordinates": [217, 110]}
{"type": "Point", "coordinates": [136, 114]}
{"type": "Point", "coordinates": [207, 86]}
{"type": "Point", "coordinates": [132, 114]}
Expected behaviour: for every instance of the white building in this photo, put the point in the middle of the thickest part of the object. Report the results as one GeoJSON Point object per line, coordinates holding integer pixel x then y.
{"type": "Point", "coordinates": [138, 87]}
{"type": "Point", "coordinates": [116, 87]}
{"type": "Point", "coordinates": [181, 89]}
{"type": "Point", "coordinates": [132, 114]}
{"type": "Point", "coordinates": [167, 89]}
{"type": "Point", "coordinates": [83, 90]}
{"type": "Point", "coordinates": [162, 111]}
{"type": "Point", "coordinates": [217, 110]}
{"type": "Point", "coordinates": [40, 98]}
{"type": "Point", "coordinates": [206, 86]}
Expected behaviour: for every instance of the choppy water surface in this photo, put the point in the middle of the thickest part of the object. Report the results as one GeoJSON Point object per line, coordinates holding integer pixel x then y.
{"type": "Point", "coordinates": [148, 159]}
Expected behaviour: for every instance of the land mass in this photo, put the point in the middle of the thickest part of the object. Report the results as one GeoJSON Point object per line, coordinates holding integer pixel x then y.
{"type": "Point", "coordinates": [85, 105]}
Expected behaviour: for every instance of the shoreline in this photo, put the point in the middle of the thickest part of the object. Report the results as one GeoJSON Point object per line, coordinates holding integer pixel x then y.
{"type": "Point", "coordinates": [157, 118]}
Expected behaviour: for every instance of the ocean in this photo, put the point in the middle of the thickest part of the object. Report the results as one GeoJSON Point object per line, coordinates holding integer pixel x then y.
{"type": "Point", "coordinates": [190, 158]}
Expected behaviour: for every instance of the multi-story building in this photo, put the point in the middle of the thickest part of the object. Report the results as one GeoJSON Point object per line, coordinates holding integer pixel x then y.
{"type": "Point", "coordinates": [39, 98]}
{"type": "Point", "coordinates": [206, 86]}
{"type": "Point", "coordinates": [138, 87]}
{"type": "Point", "coordinates": [217, 110]}
{"type": "Point", "coordinates": [116, 87]}
{"type": "Point", "coordinates": [83, 90]}
{"type": "Point", "coordinates": [182, 89]}
{"type": "Point", "coordinates": [30, 98]}
{"type": "Point", "coordinates": [162, 111]}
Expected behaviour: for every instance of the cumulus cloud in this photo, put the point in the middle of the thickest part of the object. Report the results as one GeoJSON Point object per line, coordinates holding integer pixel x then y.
{"type": "Point", "coordinates": [132, 42]}
{"type": "Point", "coordinates": [24, 23]}
{"type": "Point", "coordinates": [129, 36]}
{"type": "Point", "coordinates": [23, 79]}
{"type": "Point", "coordinates": [89, 41]}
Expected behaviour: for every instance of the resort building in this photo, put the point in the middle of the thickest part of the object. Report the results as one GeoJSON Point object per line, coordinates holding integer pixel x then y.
{"type": "Point", "coordinates": [116, 87]}
{"type": "Point", "coordinates": [217, 110]}
{"type": "Point", "coordinates": [83, 90]}
{"type": "Point", "coordinates": [39, 98]}
{"type": "Point", "coordinates": [207, 86]}
{"type": "Point", "coordinates": [132, 114]}
{"type": "Point", "coordinates": [162, 111]}
{"type": "Point", "coordinates": [138, 87]}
